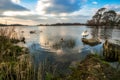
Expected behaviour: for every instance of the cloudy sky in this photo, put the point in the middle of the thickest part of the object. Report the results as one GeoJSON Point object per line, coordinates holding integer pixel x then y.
{"type": "Point", "coordinates": [52, 11]}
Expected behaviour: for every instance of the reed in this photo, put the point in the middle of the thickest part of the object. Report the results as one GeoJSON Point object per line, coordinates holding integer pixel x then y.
{"type": "Point", "coordinates": [16, 62]}
{"type": "Point", "coordinates": [9, 32]}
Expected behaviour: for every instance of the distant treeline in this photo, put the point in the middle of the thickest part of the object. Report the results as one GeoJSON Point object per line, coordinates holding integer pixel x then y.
{"type": "Point", "coordinates": [105, 17]}
{"type": "Point", "coordinates": [61, 24]}
{"type": "Point", "coordinates": [12, 25]}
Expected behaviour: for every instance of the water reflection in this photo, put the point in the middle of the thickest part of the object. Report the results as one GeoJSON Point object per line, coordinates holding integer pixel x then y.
{"type": "Point", "coordinates": [95, 32]}
{"type": "Point", "coordinates": [105, 32]}
{"type": "Point", "coordinates": [64, 43]}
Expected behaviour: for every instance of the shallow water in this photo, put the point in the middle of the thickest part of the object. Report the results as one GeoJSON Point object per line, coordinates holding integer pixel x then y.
{"type": "Point", "coordinates": [40, 43]}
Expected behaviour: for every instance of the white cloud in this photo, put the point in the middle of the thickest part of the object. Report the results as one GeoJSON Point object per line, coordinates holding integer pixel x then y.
{"type": "Point", "coordinates": [85, 11]}
{"type": "Point", "coordinates": [41, 5]}
{"type": "Point", "coordinates": [49, 11]}
{"type": "Point", "coordinates": [12, 20]}
{"type": "Point", "coordinates": [16, 1]}
{"type": "Point", "coordinates": [94, 3]}
{"type": "Point", "coordinates": [113, 7]}
{"type": "Point", "coordinates": [81, 15]}
{"type": "Point", "coordinates": [63, 14]}
{"type": "Point", "coordinates": [43, 17]}
{"type": "Point", "coordinates": [18, 13]}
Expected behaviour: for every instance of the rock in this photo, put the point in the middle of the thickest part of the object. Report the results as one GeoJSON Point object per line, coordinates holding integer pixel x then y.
{"type": "Point", "coordinates": [91, 42]}
{"type": "Point", "coordinates": [111, 50]}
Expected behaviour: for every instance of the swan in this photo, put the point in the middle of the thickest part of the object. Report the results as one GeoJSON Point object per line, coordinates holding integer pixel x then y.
{"type": "Point", "coordinates": [85, 33]}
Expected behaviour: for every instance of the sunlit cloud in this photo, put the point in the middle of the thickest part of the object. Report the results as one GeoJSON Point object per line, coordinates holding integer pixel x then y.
{"type": "Point", "coordinates": [85, 11]}
{"type": "Point", "coordinates": [113, 7]}
{"type": "Point", "coordinates": [17, 13]}
{"type": "Point", "coordinates": [16, 1]}
{"type": "Point", "coordinates": [63, 14]}
{"type": "Point", "coordinates": [12, 20]}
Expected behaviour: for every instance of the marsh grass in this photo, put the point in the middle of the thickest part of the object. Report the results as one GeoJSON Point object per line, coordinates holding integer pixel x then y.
{"type": "Point", "coordinates": [15, 62]}
{"type": "Point", "coordinates": [8, 32]}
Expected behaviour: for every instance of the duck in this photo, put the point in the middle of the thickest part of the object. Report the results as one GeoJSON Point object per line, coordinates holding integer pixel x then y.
{"type": "Point", "coordinates": [85, 34]}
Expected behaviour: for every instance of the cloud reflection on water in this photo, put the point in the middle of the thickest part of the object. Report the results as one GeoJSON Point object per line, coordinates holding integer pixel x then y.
{"type": "Point", "coordinates": [41, 42]}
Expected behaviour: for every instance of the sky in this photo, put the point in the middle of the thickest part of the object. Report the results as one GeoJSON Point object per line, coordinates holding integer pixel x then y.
{"type": "Point", "coordinates": [31, 12]}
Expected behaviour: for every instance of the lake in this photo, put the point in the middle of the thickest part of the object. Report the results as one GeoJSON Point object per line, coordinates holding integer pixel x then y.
{"type": "Point", "coordinates": [45, 41]}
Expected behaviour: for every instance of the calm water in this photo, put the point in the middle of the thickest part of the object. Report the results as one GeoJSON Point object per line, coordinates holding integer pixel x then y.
{"type": "Point", "coordinates": [41, 42]}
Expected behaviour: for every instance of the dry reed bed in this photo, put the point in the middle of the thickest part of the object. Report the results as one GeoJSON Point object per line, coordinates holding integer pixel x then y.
{"type": "Point", "coordinates": [15, 62]}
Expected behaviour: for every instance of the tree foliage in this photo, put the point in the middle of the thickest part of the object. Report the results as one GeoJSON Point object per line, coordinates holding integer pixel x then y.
{"type": "Point", "coordinates": [105, 17]}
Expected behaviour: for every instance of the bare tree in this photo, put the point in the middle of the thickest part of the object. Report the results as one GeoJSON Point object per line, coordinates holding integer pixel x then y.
{"type": "Point", "coordinates": [97, 17]}
{"type": "Point", "coordinates": [109, 17]}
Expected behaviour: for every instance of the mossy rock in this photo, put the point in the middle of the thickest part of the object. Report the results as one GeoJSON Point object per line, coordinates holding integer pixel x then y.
{"type": "Point", "coordinates": [91, 42]}
{"type": "Point", "coordinates": [111, 50]}
{"type": "Point", "coordinates": [92, 68]}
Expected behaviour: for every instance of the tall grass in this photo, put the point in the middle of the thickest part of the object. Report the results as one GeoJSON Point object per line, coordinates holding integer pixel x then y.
{"type": "Point", "coordinates": [15, 62]}
{"type": "Point", "coordinates": [8, 32]}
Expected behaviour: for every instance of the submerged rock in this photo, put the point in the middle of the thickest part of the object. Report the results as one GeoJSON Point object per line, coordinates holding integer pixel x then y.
{"type": "Point", "coordinates": [64, 43]}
